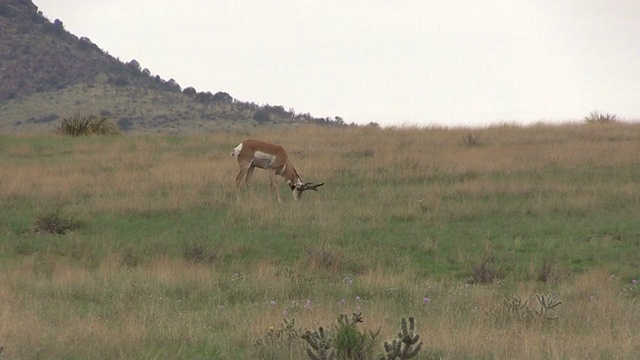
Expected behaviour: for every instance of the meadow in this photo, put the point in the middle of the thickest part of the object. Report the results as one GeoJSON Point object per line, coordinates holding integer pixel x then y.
{"type": "Point", "coordinates": [135, 246]}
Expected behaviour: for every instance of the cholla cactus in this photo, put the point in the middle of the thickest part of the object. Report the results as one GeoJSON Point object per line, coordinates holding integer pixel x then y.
{"type": "Point", "coordinates": [547, 303]}
{"type": "Point", "coordinates": [320, 342]}
{"type": "Point", "coordinates": [519, 309]}
{"type": "Point", "coordinates": [515, 305]}
{"type": "Point", "coordinates": [402, 347]}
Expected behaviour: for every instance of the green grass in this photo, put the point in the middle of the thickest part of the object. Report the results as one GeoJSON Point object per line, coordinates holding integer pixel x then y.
{"type": "Point", "coordinates": [165, 263]}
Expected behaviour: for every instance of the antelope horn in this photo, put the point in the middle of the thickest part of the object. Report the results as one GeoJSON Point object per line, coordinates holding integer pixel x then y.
{"type": "Point", "coordinates": [312, 186]}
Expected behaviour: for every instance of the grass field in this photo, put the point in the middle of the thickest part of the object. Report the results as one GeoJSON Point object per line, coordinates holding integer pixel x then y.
{"type": "Point", "coordinates": [442, 225]}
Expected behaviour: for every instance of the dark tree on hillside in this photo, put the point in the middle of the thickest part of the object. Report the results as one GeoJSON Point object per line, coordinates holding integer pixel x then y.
{"type": "Point", "coordinates": [173, 85]}
{"type": "Point", "coordinates": [221, 96]}
{"type": "Point", "coordinates": [189, 91]}
{"type": "Point", "coordinates": [119, 81]}
{"type": "Point", "coordinates": [133, 66]}
{"type": "Point", "coordinates": [85, 44]}
{"type": "Point", "coordinates": [125, 124]}
{"type": "Point", "coordinates": [204, 97]}
{"type": "Point", "coordinates": [58, 27]}
{"type": "Point", "coordinates": [261, 116]}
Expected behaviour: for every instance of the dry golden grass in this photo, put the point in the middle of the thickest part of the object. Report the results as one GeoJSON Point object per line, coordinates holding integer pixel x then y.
{"type": "Point", "coordinates": [122, 311]}
{"type": "Point", "coordinates": [109, 292]}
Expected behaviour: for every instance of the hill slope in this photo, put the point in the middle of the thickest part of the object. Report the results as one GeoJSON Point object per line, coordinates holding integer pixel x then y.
{"type": "Point", "coordinates": [47, 73]}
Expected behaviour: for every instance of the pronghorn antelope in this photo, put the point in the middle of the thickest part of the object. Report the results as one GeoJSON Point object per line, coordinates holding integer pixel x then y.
{"type": "Point", "coordinates": [253, 154]}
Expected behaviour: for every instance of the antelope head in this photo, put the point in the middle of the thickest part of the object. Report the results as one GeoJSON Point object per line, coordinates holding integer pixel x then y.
{"type": "Point", "coordinates": [300, 188]}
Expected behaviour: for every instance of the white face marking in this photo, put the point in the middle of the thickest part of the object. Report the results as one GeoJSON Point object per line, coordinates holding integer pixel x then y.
{"type": "Point", "coordinates": [296, 194]}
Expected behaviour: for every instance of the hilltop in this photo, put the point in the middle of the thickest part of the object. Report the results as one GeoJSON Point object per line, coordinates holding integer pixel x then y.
{"type": "Point", "coordinates": [47, 73]}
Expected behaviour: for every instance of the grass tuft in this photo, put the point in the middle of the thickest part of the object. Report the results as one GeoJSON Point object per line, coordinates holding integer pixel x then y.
{"type": "Point", "coordinates": [324, 258]}
{"type": "Point", "coordinates": [55, 221]}
{"type": "Point", "coordinates": [485, 271]}
{"type": "Point", "coordinates": [200, 253]}
{"type": "Point", "coordinates": [78, 125]}
{"type": "Point", "coordinates": [599, 117]}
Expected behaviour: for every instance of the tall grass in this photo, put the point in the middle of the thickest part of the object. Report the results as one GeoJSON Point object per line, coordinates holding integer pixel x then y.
{"type": "Point", "coordinates": [168, 264]}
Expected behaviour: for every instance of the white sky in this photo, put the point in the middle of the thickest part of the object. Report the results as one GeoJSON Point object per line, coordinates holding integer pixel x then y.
{"type": "Point", "coordinates": [451, 63]}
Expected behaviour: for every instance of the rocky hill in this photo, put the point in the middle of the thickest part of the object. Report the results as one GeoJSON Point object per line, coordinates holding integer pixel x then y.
{"type": "Point", "coordinates": [47, 73]}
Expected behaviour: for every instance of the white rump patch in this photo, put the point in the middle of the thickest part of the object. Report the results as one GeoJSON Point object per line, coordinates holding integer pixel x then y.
{"type": "Point", "coordinates": [236, 151]}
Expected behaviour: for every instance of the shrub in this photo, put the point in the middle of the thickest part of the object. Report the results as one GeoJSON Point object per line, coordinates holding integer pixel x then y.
{"type": "Point", "coordinates": [78, 125]}
{"type": "Point", "coordinates": [598, 117]}
{"type": "Point", "coordinates": [471, 140]}
{"type": "Point", "coordinates": [55, 221]}
{"type": "Point", "coordinates": [549, 273]}
{"type": "Point", "coordinates": [324, 258]}
{"type": "Point", "coordinates": [350, 342]}
{"type": "Point", "coordinates": [484, 272]}
{"type": "Point", "coordinates": [200, 253]}
{"type": "Point", "coordinates": [125, 123]}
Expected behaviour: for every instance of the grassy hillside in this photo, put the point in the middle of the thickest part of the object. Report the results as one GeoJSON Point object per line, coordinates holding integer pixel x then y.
{"type": "Point", "coordinates": [136, 110]}
{"type": "Point", "coordinates": [48, 74]}
{"type": "Point", "coordinates": [160, 261]}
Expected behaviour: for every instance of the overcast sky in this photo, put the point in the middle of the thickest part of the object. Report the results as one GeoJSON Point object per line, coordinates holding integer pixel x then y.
{"type": "Point", "coordinates": [451, 63]}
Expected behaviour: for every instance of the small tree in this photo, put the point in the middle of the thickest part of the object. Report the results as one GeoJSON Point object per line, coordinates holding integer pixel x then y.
{"type": "Point", "coordinates": [57, 27]}
{"type": "Point", "coordinates": [133, 66]}
{"type": "Point", "coordinates": [262, 116]}
{"type": "Point", "coordinates": [222, 96]}
{"type": "Point", "coordinates": [189, 91]}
